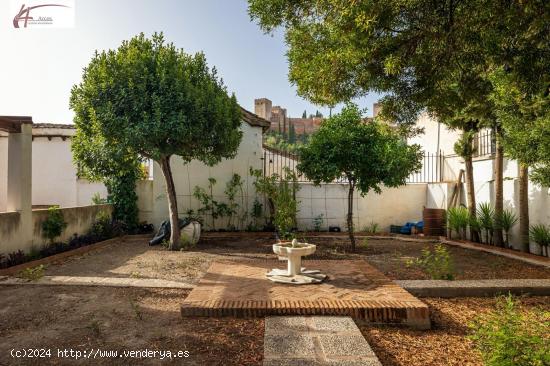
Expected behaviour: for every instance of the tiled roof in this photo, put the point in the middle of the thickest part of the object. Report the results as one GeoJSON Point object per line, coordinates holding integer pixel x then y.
{"type": "Point", "coordinates": [248, 117]}
{"type": "Point", "coordinates": [255, 120]}
{"type": "Point", "coordinates": [53, 125]}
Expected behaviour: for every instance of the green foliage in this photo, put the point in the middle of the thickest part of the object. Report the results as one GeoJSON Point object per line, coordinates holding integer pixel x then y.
{"type": "Point", "coordinates": [540, 234]}
{"type": "Point", "coordinates": [32, 273]}
{"type": "Point", "coordinates": [318, 222]}
{"type": "Point", "coordinates": [280, 191]}
{"type": "Point", "coordinates": [54, 224]}
{"type": "Point", "coordinates": [148, 99]}
{"type": "Point", "coordinates": [186, 243]}
{"type": "Point", "coordinates": [122, 194]}
{"type": "Point", "coordinates": [278, 141]}
{"type": "Point", "coordinates": [233, 187]}
{"type": "Point", "coordinates": [97, 200]}
{"type": "Point", "coordinates": [437, 263]}
{"type": "Point", "coordinates": [512, 336]}
{"type": "Point", "coordinates": [458, 219]}
{"type": "Point", "coordinates": [367, 154]}
{"type": "Point", "coordinates": [506, 221]}
{"type": "Point", "coordinates": [371, 228]}
{"type": "Point", "coordinates": [486, 216]}
{"type": "Point", "coordinates": [365, 243]}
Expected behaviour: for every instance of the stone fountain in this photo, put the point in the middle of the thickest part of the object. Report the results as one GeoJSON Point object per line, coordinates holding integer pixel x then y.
{"type": "Point", "coordinates": [295, 274]}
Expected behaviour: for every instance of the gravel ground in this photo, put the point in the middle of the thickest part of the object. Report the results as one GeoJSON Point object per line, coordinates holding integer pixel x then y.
{"type": "Point", "coordinates": [134, 258]}
{"type": "Point", "coordinates": [121, 319]}
{"type": "Point", "coordinates": [446, 343]}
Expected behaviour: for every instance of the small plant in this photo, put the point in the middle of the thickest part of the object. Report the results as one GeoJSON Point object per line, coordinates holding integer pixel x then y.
{"type": "Point", "coordinates": [475, 226]}
{"type": "Point", "coordinates": [371, 228]}
{"type": "Point", "coordinates": [457, 220]}
{"type": "Point", "coordinates": [54, 224]}
{"type": "Point", "coordinates": [257, 213]}
{"type": "Point", "coordinates": [233, 187]}
{"type": "Point", "coordinates": [486, 215]}
{"type": "Point", "coordinates": [136, 309]}
{"type": "Point", "coordinates": [540, 234]}
{"type": "Point", "coordinates": [318, 222]}
{"type": "Point", "coordinates": [94, 328]}
{"type": "Point", "coordinates": [97, 200]}
{"type": "Point", "coordinates": [364, 243]}
{"type": "Point", "coordinates": [185, 242]}
{"type": "Point", "coordinates": [280, 191]}
{"type": "Point", "coordinates": [437, 263]}
{"type": "Point", "coordinates": [506, 221]}
{"type": "Point", "coordinates": [32, 274]}
{"type": "Point", "coordinates": [511, 336]}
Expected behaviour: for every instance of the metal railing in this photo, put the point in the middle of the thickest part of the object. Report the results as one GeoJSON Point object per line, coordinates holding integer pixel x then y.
{"type": "Point", "coordinates": [484, 143]}
{"type": "Point", "coordinates": [275, 161]}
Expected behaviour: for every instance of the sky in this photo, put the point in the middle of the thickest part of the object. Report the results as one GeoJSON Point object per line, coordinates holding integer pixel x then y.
{"type": "Point", "coordinates": [38, 67]}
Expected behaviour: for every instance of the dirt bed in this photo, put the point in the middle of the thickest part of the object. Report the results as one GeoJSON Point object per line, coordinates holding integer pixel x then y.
{"type": "Point", "coordinates": [109, 319]}
{"type": "Point", "coordinates": [446, 343]}
{"type": "Point", "coordinates": [132, 257]}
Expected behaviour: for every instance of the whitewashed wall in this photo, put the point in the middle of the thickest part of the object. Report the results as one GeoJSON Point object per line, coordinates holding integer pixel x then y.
{"type": "Point", "coordinates": [394, 206]}
{"type": "Point", "coordinates": [54, 178]}
{"type": "Point", "coordinates": [187, 176]}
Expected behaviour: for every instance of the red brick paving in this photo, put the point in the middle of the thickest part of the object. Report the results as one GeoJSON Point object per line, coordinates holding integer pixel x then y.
{"type": "Point", "coordinates": [354, 288]}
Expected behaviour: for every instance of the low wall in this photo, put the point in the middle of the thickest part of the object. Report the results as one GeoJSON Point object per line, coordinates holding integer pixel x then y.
{"type": "Point", "coordinates": [394, 206]}
{"type": "Point", "coordinates": [10, 229]}
{"type": "Point", "coordinates": [78, 219]}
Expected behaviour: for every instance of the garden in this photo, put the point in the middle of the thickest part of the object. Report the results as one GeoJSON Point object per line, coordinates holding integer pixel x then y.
{"type": "Point", "coordinates": [209, 292]}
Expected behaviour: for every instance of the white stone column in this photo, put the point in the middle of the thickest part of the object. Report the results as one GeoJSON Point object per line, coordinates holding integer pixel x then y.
{"type": "Point", "coordinates": [20, 182]}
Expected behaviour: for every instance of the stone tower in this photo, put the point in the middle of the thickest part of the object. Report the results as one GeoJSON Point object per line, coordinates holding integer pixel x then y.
{"type": "Point", "coordinates": [262, 107]}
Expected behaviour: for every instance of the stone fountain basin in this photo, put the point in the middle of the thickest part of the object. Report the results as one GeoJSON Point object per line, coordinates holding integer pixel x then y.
{"type": "Point", "coordinates": [285, 249]}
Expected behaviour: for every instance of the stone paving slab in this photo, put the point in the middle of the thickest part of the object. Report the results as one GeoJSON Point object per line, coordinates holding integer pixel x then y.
{"type": "Point", "coordinates": [315, 341]}
{"type": "Point", "coordinates": [96, 281]}
{"type": "Point", "coordinates": [475, 288]}
{"type": "Point", "coordinates": [353, 288]}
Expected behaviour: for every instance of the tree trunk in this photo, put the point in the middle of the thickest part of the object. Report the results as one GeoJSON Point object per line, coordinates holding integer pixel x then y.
{"type": "Point", "coordinates": [524, 207]}
{"type": "Point", "coordinates": [471, 194]}
{"type": "Point", "coordinates": [350, 214]}
{"type": "Point", "coordinates": [172, 203]}
{"type": "Point", "coordinates": [499, 192]}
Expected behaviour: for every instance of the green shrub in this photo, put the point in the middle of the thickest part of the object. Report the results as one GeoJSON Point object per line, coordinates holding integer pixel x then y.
{"type": "Point", "coordinates": [318, 222]}
{"type": "Point", "coordinates": [457, 220]}
{"type": "Point", "coordinates": [280, 191]}
{"type": "Point", "coordinates": [506, 221]}
{"type": "Point", "coordinates": [372, 228]}
{"type": "Point", "coordinates": [97, 200]}
{"type": "Point", "coordinates": [54, 224]}
{"type": "Point", "coordinates": [540, 234]}
{"type": "Point", "coordinates": [437, 263]}
{"type": "Point", "coordinates": [32, 273]}
{"type": "Point", "coordinates": [486, 215]}
{"type": "Point", "coordinates": [511, 336]}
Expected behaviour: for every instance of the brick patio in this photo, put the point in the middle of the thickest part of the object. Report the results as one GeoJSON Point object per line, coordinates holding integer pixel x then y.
{"type": "Point", "coordinates": [354, 288]}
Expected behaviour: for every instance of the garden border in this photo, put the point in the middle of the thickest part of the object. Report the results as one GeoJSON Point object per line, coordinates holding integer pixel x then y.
{"type": "Point", "coordinates": [10, 271]}
{"type": "Point", "coordinates": [509, 253]}
{"type": "Point", "coordinates": [476, 288]}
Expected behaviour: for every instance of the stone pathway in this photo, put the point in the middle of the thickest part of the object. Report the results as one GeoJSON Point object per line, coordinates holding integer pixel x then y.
{"type": "Point", "coordinates": [97, 281]}
{"type": "Point", "coordinates": [315, 341]}
{"type": "Point", "coordinates": [474, 288]}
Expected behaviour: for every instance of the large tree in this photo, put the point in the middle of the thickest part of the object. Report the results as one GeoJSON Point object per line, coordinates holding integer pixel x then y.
{"type": "Point", "coordinates": [155, 101]}
{"type": "Point", "coordinates": [413, 51]}
{"type": "Point", "coordinates": [368, 154]}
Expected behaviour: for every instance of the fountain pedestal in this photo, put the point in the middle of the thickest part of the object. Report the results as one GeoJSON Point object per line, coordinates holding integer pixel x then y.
{"type": "Point", "coordinates": [295, 273]}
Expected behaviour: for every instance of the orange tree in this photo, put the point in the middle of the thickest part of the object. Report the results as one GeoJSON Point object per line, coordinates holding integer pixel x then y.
{"type": "Point", "coordinates": [149, 100]}
{"type": "Point", "coordinates": [367, 154]}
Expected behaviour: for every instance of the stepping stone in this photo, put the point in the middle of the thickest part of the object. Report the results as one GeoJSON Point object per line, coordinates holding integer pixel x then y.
{"type": "Point", "coordinates": [315, 341]}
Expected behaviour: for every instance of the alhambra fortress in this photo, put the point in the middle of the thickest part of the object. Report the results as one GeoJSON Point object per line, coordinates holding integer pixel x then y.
{"type": "Point", "coordinates": [280, 122]}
